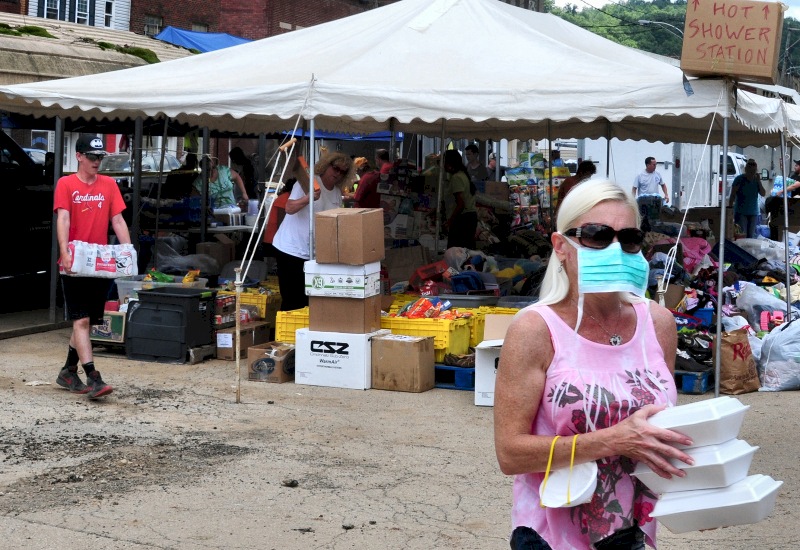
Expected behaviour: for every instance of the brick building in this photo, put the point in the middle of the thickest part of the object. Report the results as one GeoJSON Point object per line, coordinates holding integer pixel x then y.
{"type": "Point", "coordinates": [252, 19]}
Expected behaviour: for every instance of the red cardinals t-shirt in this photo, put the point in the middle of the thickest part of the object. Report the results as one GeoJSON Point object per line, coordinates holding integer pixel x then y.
{"type": "Point", "coordinates": [90, 207]}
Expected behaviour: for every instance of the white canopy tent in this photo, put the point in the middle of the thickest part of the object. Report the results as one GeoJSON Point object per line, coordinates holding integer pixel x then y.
{"type": "Point", "coordinates": [490, 70]}
{"type": "Point", "coordinates": [473, 68]}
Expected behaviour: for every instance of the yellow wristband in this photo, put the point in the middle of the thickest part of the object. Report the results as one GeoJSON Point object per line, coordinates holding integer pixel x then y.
{"type": "Point", "coordinates": [547, 471]}
{"type": "Point", "coordinates": [571, 462]}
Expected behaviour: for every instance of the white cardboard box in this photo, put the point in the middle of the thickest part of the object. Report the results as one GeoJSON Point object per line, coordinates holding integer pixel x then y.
{"type": "Point", "coordinates": [487, 354]}
{"type": "Point", "coordinates": [342, 281]}
{"type": "Point", "coordinates": [334, 359]}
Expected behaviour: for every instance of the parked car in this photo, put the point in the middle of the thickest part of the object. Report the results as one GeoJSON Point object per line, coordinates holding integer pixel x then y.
{"type": "Point", "coordinates": [119, 166]}
{"type": "Point", "coordinates": [25, 269]}
{"type": "Point", "coordinates": [37, 155]}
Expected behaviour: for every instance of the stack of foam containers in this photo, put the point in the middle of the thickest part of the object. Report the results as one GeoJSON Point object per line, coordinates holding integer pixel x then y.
{"type": "Point", "coordinates": [717, 490]}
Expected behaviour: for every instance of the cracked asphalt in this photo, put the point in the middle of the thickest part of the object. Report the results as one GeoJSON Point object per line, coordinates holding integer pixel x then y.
{"type": "Point", "coordinates": [171, 461]}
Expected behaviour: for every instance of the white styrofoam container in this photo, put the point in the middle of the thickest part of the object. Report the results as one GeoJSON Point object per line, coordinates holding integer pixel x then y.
{"type": "Point", "coordinates": [342, 281]}
{"type": "Point", "coordinates": [567, 488]}
{"type": "Point", "coordinates": [487, 354]}
{"type": "Point", "coordinates": [714, 466]}
{"type": "Point", "coordinates": [747, 501]}
{"type": "Point", "coordinates": [707, 422]}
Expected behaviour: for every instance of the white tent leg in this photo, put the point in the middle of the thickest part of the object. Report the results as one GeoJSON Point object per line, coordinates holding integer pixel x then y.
{"type": "Point", "coordinates": [721, 268]}
{"type": "Point", "coordinates": [784, 163]}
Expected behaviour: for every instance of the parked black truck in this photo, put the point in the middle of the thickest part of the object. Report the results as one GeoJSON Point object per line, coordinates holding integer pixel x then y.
{"type": "Point", "coordinates": [25, 228]}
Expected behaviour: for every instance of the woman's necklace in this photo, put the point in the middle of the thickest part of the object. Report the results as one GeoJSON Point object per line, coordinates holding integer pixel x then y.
{"type": "Point", "coordinates": [614, 339]}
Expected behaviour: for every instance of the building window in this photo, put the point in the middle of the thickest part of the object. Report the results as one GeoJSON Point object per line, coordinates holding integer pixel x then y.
{"type": "Point", "coordinates": [82, 12]}
{"type": "Point", "coordinates": [199, 27]}
{"type": "Point", "coordinates": [153, 24]}
{"type": "Point", "coordinates": [108, 16]}
{"type": "Point", "coordinates": [51, 9]}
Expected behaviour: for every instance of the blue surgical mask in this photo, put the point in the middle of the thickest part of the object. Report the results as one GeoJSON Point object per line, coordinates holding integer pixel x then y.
{"type": "Point", "coordinates": [610, 269]}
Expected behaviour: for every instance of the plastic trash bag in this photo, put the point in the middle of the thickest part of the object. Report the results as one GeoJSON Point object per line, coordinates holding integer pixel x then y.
{"type": "Point", "coordinates": [779, 364]}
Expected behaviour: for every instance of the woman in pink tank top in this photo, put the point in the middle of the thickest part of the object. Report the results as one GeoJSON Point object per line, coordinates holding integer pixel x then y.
{"type": "Point", "coordinates": [589, 363]}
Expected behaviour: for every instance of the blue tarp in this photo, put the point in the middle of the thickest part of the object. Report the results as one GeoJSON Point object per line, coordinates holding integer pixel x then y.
{"type": "Point", "coordinates": [201, 41]}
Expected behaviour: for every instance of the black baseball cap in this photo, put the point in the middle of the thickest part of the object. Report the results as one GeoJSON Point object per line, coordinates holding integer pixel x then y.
{"type": "Point", "coordinates": [90, 143]}
{"type": "Point", "coordinates": [797, 161]}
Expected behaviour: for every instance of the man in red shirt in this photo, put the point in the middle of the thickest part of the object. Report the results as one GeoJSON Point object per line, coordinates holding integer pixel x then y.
{"type": "Point", "coordinates": [85, 203]}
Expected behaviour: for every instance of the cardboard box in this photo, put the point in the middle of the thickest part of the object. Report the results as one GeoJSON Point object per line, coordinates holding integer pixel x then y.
{"type": "Point", "coordinates": [497, 190]}
{"type": "Point", "coordinates": [352, 236]}
{"type": "Point", "coordinates": [739, 38]}
{"type": "Point", "coordinates": [250, 335]}
{"type": "Point", "coordinates": [342, 281]}
{"type": "Point", "coordinates": [353, 316]}
{"type": "Point", "coordinates": [495, 325]}
{"type": "Point", "coordinates": [271, 362]}
{"type": "Point", "coordinates": [401, 227]}
{"type": "Point", "coordinates": [673, 295]}
{"type": "Point", "coordinates": [111, 330]}
{"type": "Point", "coordinates": [222, 253]}
{"type": "Point", "coordinates": [487, 356]}
{"type": "Point", "coordinates": [401, 262]}
{"type": "Point", "coordinates": [334, 359]}
{"type": "Point", "coordinates": [403, 363]}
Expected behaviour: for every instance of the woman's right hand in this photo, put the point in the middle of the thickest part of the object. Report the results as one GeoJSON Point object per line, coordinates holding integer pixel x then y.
{"type": "Point", "coordinates": [639, 440]}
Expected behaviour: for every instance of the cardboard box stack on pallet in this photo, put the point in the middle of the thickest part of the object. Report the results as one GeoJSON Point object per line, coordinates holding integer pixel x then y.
{"type": "Point", "coordinates": [343, 286]}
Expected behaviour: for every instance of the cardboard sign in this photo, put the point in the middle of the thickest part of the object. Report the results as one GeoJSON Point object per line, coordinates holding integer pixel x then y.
{"type": "Point", "coordinates": [740, 38]}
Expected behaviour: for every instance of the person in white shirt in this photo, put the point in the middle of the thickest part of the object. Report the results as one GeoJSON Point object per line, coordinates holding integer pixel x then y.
{"type": "Point", "coordinates": [291, 242]}
{"type": "Point", "coordinates": [648, 182]}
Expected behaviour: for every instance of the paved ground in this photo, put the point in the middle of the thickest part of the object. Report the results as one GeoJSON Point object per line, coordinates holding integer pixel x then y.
{"type": "Point", "coordinates": [170, 461]}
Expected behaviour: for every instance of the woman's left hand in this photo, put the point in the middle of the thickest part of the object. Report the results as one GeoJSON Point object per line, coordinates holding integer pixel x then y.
{"type": "Point", "coordinates": [639, 440]}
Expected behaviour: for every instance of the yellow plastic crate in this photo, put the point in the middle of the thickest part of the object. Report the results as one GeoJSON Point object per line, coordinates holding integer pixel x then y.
{"type": "Point", "coordinates": [268, 304]}
{"type": "Point", "coordinates": [477, 323]}
{"type": "Point", "coordinates": [287, 322]}
{"type": "Point", "coordinates": [400, 300]}
{"type": "Point", "coordinates": [499, 310]}
{"type": "Point", "coordinates": [449, 335]}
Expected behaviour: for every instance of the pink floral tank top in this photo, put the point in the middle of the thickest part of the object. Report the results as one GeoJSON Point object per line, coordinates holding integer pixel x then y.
{"type": "Point", "coordinates": [591, 386]}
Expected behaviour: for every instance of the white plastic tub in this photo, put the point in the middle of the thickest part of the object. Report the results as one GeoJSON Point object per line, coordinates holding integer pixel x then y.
{"type": "Point", "coordinates": [714, 466]}
{"type": "Point", "coordinates": [747, 501]}
{"type": "Point", "coordinates": [707, 422]}
{"type": "Point", "coordinates": [128, 287]}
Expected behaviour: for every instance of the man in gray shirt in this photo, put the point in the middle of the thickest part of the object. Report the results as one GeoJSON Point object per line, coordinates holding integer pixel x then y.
{"type": "Point", "coordinates": [648, 181]}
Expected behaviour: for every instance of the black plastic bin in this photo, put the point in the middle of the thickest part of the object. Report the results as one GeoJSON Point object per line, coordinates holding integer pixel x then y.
{"type": "Point", "coordinates": [166, 322]}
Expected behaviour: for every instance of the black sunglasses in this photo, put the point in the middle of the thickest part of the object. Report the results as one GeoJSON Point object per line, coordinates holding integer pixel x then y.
{"type": "Point", "coordinates": [599, 236]}
{"type": "Point", "coordinates": [93, 157]}
{"type": "Point", "coordinates": [341, 171]}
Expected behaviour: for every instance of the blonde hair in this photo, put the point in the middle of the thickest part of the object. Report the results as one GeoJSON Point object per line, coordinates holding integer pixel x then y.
{"type": "Point", "coordinates": [339, 159]}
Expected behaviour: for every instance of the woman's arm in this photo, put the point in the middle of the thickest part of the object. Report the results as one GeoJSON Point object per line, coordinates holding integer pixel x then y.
{"type": "Point", "coordinates": [237, 179]}
{"type": "Point", "coordinates": [519, 390]}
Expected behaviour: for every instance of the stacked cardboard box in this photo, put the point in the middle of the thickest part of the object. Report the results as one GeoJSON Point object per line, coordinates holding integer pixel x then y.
{"type": "Point", "coordinates": [343, 286]}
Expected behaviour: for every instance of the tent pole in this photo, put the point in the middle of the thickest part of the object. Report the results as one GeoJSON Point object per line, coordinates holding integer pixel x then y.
{"type": "Point", "coordinates": [608, 149]}
{"type": "Point", "coordinates": [721, 269]}
{"type": "Point", "coordinates": [261, 169]}
{"type": "Point", "coordinates": [552, 224]}
{"type": "Point", "coordinates": [784, 162]}
{"type": "Point", "coordinates": [392, 140]}
{"type": "Point", "coordinates": [138, 132]}
{"type": "Point", "coordinates": [204, 172]}
{"type": "Point", "coordinates": [160, 176]}
{"type": "Point", "coordinates": [312, 162]}
{"type": "Point", "coordinates": [58, 170]}
{"type": "Point", "coordinates": [439, 192]}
